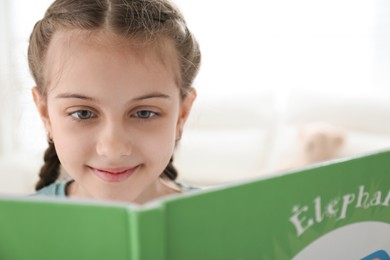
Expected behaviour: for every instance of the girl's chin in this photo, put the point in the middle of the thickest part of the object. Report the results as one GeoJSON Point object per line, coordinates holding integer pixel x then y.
{"type": "Point", "coordinates": [103, 193]}
{"type": "Point", "coordinates": [114, 197]}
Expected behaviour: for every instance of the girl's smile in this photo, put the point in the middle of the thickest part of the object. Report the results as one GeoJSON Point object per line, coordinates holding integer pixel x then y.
{"type": "Point", "coordinates": [115, 174]}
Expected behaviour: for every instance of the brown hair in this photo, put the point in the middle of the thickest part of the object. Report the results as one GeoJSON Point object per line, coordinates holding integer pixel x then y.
{"type": "Point", "coordinates": [142, 20]}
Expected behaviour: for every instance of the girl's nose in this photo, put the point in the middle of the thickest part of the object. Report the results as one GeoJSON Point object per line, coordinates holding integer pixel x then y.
{"type": "Point", "coordinates": [114, 142]}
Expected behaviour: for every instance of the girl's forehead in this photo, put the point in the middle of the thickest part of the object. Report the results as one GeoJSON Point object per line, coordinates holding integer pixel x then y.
{"type": "Point", "coordinates": [66, 45]}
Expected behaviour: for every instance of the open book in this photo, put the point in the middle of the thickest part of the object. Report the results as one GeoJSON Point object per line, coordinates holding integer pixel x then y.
{"type": "Point", "coordinates": [337, 210]}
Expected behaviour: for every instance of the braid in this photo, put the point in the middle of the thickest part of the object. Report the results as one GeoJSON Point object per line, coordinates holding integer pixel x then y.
{"type": "Point", "coordinates": [50, 170]}
{"type": "Point", "coordinates": [170, 171]}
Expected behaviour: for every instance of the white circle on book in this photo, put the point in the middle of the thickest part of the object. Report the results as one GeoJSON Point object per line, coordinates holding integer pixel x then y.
{"type": "Point", "coordinates": [354, 241]}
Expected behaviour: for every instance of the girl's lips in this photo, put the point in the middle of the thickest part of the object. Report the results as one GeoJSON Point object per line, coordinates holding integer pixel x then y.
{"type": "Point", "coordinates": [113, 175]}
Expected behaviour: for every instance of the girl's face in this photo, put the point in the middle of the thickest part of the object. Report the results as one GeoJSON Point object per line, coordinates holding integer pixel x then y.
{"type": "Point", "coordinates": [114, 113]}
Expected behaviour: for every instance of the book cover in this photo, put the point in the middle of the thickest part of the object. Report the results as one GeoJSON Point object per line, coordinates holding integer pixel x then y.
{"type": "Point", "coordinates": [334, 210]}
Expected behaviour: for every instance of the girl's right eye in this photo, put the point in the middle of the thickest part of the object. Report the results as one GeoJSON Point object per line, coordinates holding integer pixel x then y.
{"type": "Point", "coordinates": [82, 115]}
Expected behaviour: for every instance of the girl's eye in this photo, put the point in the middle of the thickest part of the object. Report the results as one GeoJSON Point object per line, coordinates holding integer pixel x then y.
{"type": "Point", "coordinates": [145, 114]}
{"type": "Point", "coordinates": [82, 114]}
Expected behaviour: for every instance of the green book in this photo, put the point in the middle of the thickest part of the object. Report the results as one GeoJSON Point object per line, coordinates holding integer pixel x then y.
{"type": "Point", "coordinates": [334, 210]}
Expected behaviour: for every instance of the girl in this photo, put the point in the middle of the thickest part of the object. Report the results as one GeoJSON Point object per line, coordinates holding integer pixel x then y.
{"type": "Point", "coordinates": [113, 89]}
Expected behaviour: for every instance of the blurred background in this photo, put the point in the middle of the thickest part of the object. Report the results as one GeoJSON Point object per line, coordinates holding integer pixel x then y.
{"type": "Point", "coordinates": [283, 84]}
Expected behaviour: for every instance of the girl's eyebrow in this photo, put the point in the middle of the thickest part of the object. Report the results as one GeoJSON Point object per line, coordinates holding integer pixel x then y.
{"type": "Point", "coordinates": [77, 96]}
{"type": "Point", "coordinates": [151, 95]}
{"type": "Point", "coordinates": [143, 97]}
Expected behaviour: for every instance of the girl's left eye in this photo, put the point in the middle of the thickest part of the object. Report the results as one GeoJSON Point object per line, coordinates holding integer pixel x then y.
{"type": "Point", "coordinates": [145, 114]}
{"type": "Point", "coordinates": [82, 115]}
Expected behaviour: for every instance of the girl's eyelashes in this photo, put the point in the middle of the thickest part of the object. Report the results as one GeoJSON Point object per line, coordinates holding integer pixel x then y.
{"type": "Point", "coordinates": [145, 114]}
{"type": "Point", "coordinates": [85, 114]}
{"type": "Point", "coordinates": [82, 115]}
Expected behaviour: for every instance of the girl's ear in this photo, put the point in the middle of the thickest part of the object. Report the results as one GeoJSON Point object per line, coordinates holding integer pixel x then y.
{"type": "Point", "coordinates": [41, 104]}
{"type": "Point", "coordinates": [185, 110]}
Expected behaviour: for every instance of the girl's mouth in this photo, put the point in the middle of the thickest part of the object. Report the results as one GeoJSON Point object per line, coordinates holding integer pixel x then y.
{"type": "Point", "coordinates": [113, 175]}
